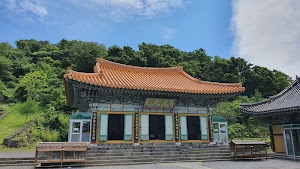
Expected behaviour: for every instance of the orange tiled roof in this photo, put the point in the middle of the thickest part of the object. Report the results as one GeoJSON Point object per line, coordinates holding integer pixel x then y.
{"type": "Point", "coordinates": [115, 75]}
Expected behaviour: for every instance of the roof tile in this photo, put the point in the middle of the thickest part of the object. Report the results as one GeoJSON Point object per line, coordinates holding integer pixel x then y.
{"type": "Point", "coordinates": [115, 75]}
{"type": "Point", "coordinates": [285, 101]}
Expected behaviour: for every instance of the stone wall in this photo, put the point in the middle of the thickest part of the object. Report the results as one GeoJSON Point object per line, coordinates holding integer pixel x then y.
{"type": "Point", "coordinates": [9, 142]}
{"type": "Point", "coordinates": [3, 115]}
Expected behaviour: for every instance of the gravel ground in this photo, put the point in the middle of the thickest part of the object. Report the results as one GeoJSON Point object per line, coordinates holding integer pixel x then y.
{"type": "Point", "coordinates": [263, 164]}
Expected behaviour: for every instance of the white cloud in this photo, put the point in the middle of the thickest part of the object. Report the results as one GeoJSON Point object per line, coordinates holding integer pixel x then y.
{"type": "Point", "coordinates": [34, 8]}
{"type": "Point", "coordinates": [26, 6]}
{"type": "Point", "coordinates": [168, 33]}
{"type": "Point", "coordinates": [267, 33]}
{"type": "Point", "coordinates": [119, 9]}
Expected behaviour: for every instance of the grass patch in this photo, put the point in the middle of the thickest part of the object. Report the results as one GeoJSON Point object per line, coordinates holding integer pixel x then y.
{"type": "Point", "coordinates": [23, 149]}
{"type": "Point", "coordinates": [12, 122]}
{"type": "Point", "coordinates": [3, 108]}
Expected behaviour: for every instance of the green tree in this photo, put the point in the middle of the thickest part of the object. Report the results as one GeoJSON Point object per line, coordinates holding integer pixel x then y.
{"type": "Point", "coordinates": [33, 82]}
{"type": "Point", "coordinates": [27, 108]}
{"type": "Point", "coordinates": [229, 110]}
{"type": "Point", "coordinates": [242, 126]}
{"type": "Point", "coordinates": [281, 80]}
{"type": "Point", "coordinates": [82, 55]}
{"type": "Point", "coordinates": [3, 92]}
{"type": "Point", "coordinates": [30, 45]}
{"type": "Point", "coordinates": [6, 69]}
{"type": "Point", "coordinates": [43, 83]}
{"type": "Point", "coordinates": [257, 97]}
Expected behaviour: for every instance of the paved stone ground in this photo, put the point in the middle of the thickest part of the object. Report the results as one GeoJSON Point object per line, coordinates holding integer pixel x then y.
{"type": "Point", "coordinates": [14, 154]}
{"type": "Point", "coordinates": [260, 164]}
{"type": "Point", "coordinates": [263, 164]}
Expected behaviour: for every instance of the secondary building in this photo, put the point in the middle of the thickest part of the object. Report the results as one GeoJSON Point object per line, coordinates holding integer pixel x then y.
{"type": "Point", "coordinates": [130, 104]}
{"type": "Point", "coordinates": [282, 112]}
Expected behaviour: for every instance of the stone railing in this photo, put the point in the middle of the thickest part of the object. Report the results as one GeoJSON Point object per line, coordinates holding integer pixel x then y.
{"type": "Point", "coordinates": [9, 142]}
{"type": "Point", "coordinates": [3, 115]}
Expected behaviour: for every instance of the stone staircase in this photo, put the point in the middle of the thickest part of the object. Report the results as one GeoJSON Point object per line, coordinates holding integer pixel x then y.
{"type": "Point", "coordinates": [21, 161]}
{"type": "Point", "coordinates": [284, 156]}
{"type": "Point", "coordinates": [155, 153]}
{"type": "Point", "coordinates": [103, 155]}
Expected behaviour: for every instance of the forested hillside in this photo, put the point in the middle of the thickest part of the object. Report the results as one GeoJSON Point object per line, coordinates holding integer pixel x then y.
{"type": "Point", "coordinates": [31, 76]}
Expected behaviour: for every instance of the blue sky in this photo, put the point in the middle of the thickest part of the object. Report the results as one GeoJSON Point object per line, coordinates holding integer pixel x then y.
{"type": "Point", "coordinates": [264, 32]}
{"type": "Point", "coordinates": [187, 25]}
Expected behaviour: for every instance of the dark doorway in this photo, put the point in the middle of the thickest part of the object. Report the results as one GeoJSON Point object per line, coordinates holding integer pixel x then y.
{"type": "Point", "coordinates": [156, 127]}
{"type": "Point", "coordinates": [193, 127]}
{"type": "Point", "coordinates": [115, 126]}
{"type": "Point", "coordinates": [296, 141]}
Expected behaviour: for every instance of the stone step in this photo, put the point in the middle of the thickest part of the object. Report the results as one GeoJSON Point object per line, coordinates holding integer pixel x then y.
{"type": "Point", "coordinates": [147, 150]}
{"type": "Point", "coordinates": [17, 164]}
{"type": "Point", "coordinates": [15, 161]}
{"type": "Point", "coordinates": [225, 155]}
{"type": "Point", "coordinates": [160, 145]}
{"type": "Point", "coordinates": [64, 165]}
{"type": "Point", "coordinates": [294, 158]}
{"type": "Point", "coordinates": [156, 160]}
{"type": "Point", "coordinates": [153, 162]}
{"type": "Point", "coordinates": [140, 155]}
{"type": "Point", "coordinates": [153, 152]}
{"type": "Point", "coordinates": [153, 146]}
{"type": "Point", "coordinates": [17, 158]}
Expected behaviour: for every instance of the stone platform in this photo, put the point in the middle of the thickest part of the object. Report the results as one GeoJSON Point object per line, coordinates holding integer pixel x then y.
{"type": "Point", "coordinates": [155, 153]}
{"type": "Point", "coordinates": [126, 154]}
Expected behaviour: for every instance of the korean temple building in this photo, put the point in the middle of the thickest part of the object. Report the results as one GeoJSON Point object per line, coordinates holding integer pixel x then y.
{"type": "Point", "coordinates": [282, 112]}
{"type": "Point", "coordinates": [130, 104]}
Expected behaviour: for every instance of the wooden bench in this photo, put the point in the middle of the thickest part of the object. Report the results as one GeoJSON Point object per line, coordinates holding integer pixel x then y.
{"type": "Point", "coordinates": [243, 149]}
{"type": "Point", "coordinates": [60, 153]}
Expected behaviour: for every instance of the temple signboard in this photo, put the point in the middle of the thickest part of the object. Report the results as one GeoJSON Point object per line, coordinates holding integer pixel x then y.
{"type": "Point", "coordinates": [159, 103]}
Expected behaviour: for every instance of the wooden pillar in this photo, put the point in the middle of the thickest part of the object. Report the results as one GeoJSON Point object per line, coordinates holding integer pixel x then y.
{"type": "Point", "coordinates": [272, 138]}
{"type": "Point", "coordinates": [210, 125]}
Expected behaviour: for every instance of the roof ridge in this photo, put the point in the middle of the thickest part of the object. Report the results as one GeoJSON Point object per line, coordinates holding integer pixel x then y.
{"type": "Point", "coordinates": [177, 69]}
{"type": "Point", "coordinates": [107, 63]}
{"type": "Point", "coordinates": [289, 87]}
{"type": "Point", "coordinates": [73, 72]}
{"type": "Point", "coordinates": [274, 97]}
{"type": "Point", "coordinates": [224, 84]}
{"type": "Point", "coordinates": [175, 79]}
{"type": "Point", "coordinates": [208, 82]}
{"type": "Point", "coordinates": [255, 103]}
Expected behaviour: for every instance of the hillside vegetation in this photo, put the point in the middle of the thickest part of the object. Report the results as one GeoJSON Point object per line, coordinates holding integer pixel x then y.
{"type": "Point", "coordinates": [12, 121]}
{"type": "Point", "coordinates": [31, 79]}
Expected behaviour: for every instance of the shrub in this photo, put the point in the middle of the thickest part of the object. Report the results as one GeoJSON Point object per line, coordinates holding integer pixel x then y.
{"type": "Point", "coordinates": [20, 141]}
{"type": "Point", "coordinates": [50, 136]}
